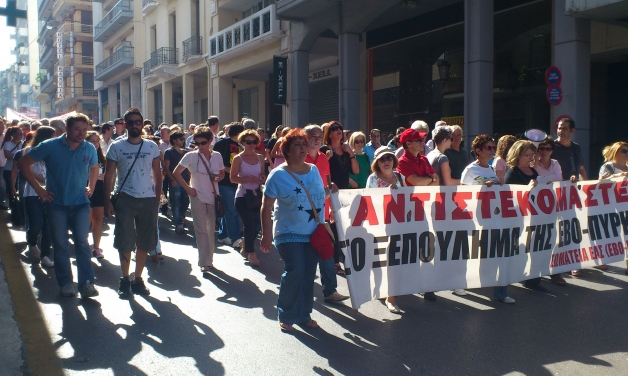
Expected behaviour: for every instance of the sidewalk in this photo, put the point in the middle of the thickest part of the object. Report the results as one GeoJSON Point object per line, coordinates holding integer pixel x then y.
{"type": "Point", "coordinates": [25, 344]}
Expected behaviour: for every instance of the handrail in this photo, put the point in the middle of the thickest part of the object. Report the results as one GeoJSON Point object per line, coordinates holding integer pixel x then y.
{"type": "Point", "coordinates": [121, 6]}
{"type": "Point", "coordinates": [192, 46]}
{"type": "Point", "coordinates": [164, 55]}
{"type": "Point", "coordinates": [119, 54]}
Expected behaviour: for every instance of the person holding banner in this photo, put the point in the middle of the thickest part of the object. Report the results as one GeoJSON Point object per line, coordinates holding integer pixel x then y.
{"type": "Point", "coordinates": [549, 171]}
{"type": "Point", "coordinates": [294, 194]}
{"type": "Point", "coordinates": [357, 142]}
{"type": "Point", "coordinates": [383, 176]}
{"type": "Point", "coordinates": [481, 173]}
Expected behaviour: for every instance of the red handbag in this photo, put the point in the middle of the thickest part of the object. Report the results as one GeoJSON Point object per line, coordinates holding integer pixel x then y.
{"type": "Point", "coordinates": [322, 239]}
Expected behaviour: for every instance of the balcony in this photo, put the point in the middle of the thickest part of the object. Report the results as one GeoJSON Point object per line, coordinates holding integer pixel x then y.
{"type": "Point", "coordinates": [45, 9]}
{"type": "Point", "coordinates": [192, 49]}
{"type": "Point", "coordinates": [115, 63]}
{"type": "Point", "coordinates": [61, 7]}
{"type": "Point", "coordinates": [113, 21]}
{"type": "Point", "coordinates": [163, 63]}
{"type": "Point", "coordinates": [292, 10]}
{"type": "Point", "coordinates": [71, 94]}
{"type": "Point", "coordinates": [246, 35]}
{"type": "Point", "coordinates": [148, 6]}
{"type": "Point", "coordinates": [600, 10]}
{"type": "Point", "coordinates": [45, 34]}
{"type": "Point", "coordinates": [46, 88]}
{"type": "Point", "coordinates": [81, 31]}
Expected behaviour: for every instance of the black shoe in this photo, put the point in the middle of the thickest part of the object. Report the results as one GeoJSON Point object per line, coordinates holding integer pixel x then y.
{"type": "Point", "coordinates": [536, 287]}
{"type": "Point", "coordinates": [125, 287]}
{"type": "Point", "coordinates": [138, 287]}
{"type": "Point", "coordinates": [429, 296]}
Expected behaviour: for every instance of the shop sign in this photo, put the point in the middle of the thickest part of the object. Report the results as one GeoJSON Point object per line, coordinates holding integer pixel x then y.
{"type": "Point", "coordinates": [323, 74]}
{"type": "Point", "coordinates": [554, 95]}
{"type": "Point", "coordinates": [59, 73]}
{"type": "Point", "coordinates": [279, 84]}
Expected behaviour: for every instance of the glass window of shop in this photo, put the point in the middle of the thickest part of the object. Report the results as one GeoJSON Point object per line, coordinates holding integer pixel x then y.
{"type": "Point", "coordinates": [405, 82]}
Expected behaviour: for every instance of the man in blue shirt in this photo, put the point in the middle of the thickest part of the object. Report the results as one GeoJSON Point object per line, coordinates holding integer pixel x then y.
{"type": "Point", "coordinates": [374, 144]}
{"type": "Point", "coordinates": [71, 162]}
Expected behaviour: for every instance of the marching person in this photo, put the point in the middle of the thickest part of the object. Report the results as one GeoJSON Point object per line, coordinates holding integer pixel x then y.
{"type": "Point", "coordinates": [137, 164]}
{"type": "Point", "coordinates": [97, 201]}
{"type": "Point", "coordinates": [179, 199]}
{"type": "Point", "coordinates": [205, 168]}
{"type": "Point", "coordinates": [70, 161]}
{"type": "Point", "coordinates": [293, 222]}
{"type": "Point", "coordinates": [247, 170]}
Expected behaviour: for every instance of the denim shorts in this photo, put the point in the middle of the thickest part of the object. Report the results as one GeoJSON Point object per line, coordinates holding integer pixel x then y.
{"type": "Point", "coordinates": [136, 223]}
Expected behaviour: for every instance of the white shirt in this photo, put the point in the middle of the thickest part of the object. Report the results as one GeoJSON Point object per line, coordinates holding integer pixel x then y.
{"type": "Point", "coordinates": [199, 179]}
{"type": "Point", "coordinates": [38, 168]}
{"type": "Point", "coordinates": [139, 184]}
{"type": "Point", "coordinates": [104, 145]}
{"type": "Point", "coordinates": [474, 174]}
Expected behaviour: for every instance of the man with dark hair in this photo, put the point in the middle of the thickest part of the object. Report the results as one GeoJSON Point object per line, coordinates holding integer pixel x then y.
{"type": "Point", "coordinates": [70, 162]}
{"type": "Point", "coordinates": [230, 230]}
{"type": "Point", "coordinates": [120, 128]}
{"type": "Point", "coordinates": [213, 123]}
{"type": "Point", "coordinates": [179, 199]}
{"type": "Point", "coordinates": [373, 144]}
{"type": "Point", "coordinates": [106, 137]}
{"type": "Point", "coordinates": [190, 137]}
{"type": "Point", "coordinates": [138, 198]}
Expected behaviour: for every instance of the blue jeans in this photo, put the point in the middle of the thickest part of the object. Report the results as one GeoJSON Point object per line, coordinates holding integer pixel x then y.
{"type": "Point", "coordinates": [76, 219]}
{"type": "Point", "coordinates": [296, 290]}
{"type": "Point", "coordinates": [37, 224]}
{"type": "Point", "coordinates": [500, 292]}
{"type": "Point", "coordinates": [179, 201]}
{"type": "Point", "coordinates": [328, 276]}
{"type": "Point", "coordinates": [229, 224]}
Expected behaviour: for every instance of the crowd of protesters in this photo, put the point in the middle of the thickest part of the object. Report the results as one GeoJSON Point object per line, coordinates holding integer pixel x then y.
{"type": "Point", "coordinates": [69, 175]}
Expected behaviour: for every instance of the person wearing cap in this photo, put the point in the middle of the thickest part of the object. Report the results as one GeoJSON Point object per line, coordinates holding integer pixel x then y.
{"type": "Point", "coordinates": [384, 176]}
{"type": "Point", "coordinates": [120, 128]}
{"type": "Point", "coordinates": [416, 168]}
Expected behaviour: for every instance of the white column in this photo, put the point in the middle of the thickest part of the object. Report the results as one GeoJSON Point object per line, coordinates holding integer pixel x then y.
{"type": "Point", "coordinates": [349, 54]}
{"type": "Point", "coordinates": [99, 52]}
{"type": "Point", "coordinates": [149, 110]}
{"type": "Point", "coordinates": [125, 95]}
{"type": "Point", "coordinates": [113, 101]}
{"type": "Point", "coordinates": [136, 90]}
{"type": "Point", "coordinates": [299, 88]}
{"type": "Point", "coordinates": [478, 69]}
{"type": "Point", "coordinates": [188, 99]}
{"type": "Point", "coordinates": [223, 99]}
{"type": "Point", "coordinates": [166, 98]}
{"type": "Point", "coordinates": [572, 55]}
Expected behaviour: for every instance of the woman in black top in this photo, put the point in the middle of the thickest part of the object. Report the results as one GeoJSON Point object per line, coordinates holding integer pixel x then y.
{"type": "Point", "coordinates": [519, 159]}
{"type": "Point", "coordinates": [342, 162]}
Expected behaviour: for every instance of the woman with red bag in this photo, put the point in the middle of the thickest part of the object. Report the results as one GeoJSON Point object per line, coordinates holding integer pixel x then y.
{"type": "Point", "coordinates": [293, 222]}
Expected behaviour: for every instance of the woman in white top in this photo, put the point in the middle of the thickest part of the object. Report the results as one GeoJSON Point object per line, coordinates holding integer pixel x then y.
{"type": "Point", "coordinates": [10, 146]}
{"type": "Point", "coordinates": [480, 173]}
{"type": "Point", "coordinates": [247, 170]}
{"type": "Point", "coordinates": [37, 221]}
{"type": "Point", "coordinates": [499, 162]}
{"type": "Point", "coordinates": [549, 169]}
{"type": "Point", "coordinates": [206, 169]}
{"type": "Point", "coordinates": [384, 175]}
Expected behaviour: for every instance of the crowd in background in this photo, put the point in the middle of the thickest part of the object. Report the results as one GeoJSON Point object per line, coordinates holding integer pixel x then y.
{"type": "Point", "coordinates": [240, 183]}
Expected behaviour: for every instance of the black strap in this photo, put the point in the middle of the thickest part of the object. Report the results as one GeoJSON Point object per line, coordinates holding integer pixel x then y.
{"type": "Point", "coordinates": [129, 172]}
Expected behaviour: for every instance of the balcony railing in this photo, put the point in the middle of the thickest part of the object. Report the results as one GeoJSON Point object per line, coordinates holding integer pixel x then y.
{"type": "Point", "coordinates": [123, 57]}
{"type": "Point", "coordinates": [256, 27]}
{"type": "Point", "coordinates": [148, 6]}
{"type": "Point", "coordinates": [192, 46]}
{"type": "Point", "coordinates": [76, 28]}
{"type": "Point", "coordinates": [119, 15]}
{"type": "Point", "coordinates": [164, 55]}
{"type": "Point", "coordinates": [147, 66]}
{"type": "Point", "coordinates": [77, 92]}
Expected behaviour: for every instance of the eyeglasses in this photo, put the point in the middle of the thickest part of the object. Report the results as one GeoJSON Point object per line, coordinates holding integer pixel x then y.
{"type": "Point", "coordinates": [490, 147]}
{"type": "Point", "coordinates": [119, 123]}
{"type": "Point", "coordinates": [624, 151]}
{"type": "Point", "coordinates": [359, 141]}
{"type": "Point", "coordinates": [386, 158]}
{"type": "Point", "coordinates": [550, 149]}
{"type": "Point", "coordinates": [421, 141]}
{"type": "Point", "coordinates": [131, 123]}
{"type": "Point", "coordinates": [202, 143]}
{"type": "Point", "coordinates": [335, 128]}
{"type": "Point", "coordinates": [251, 142]}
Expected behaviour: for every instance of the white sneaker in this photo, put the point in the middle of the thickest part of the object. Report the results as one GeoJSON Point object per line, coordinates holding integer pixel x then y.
{"type": "Point", "coordinates": [507, 300]}
{"type": "Point", "coordinates": [35, 253]}
{"type": "Point", "coordinates": [88, 290]}
{"type": "Point", "coordinates": [459, 292]}
{"type": "Point", "coordinates": [237, 243]}
{"type": "Point", "coordinates": [226, 241]}
{"type": "Point", "coordinates": [47, 262]}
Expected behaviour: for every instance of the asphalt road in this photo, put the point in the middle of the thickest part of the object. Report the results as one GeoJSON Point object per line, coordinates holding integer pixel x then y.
{"type": "Point", "coordinates": [226, 323]}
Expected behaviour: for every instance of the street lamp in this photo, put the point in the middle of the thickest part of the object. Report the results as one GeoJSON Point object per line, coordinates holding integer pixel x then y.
{"type": "Point", "coordinates": [443, 69]}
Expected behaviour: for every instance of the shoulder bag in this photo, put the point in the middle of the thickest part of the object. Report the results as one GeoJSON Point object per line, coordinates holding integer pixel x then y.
{"type": "Point", "coordinates": [322, 239]}
{"type": "Point", "coordinates": [218, 204]}
{"type": "Point", "coordinates": [114, 197]}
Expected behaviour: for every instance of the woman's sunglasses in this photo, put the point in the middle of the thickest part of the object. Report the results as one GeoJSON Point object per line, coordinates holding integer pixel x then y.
{"type": "Point", "coordinates": [251, 142]}
{"type": "Point", "coordinates": [202, 143]}
{"type": "Point", "coordinates": [335, 128]}
{"type": "Point", "coordinates": [386, 158]}
{"type": "Point", "coordinates": [547, 149]}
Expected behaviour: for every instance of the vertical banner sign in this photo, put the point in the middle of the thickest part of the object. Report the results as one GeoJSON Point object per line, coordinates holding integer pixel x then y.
{"type": "Point", "coordinates": [279, 87]}
{"type": "Point", "coordinates": [59, 73]}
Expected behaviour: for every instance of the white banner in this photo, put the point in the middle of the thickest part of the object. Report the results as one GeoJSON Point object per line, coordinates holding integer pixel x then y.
{"type": "Point", "coordinates": [419, 239]}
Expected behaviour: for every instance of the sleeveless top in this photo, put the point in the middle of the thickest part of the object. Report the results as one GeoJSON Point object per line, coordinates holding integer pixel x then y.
{"type": "Point", "coordinates": [248, 170]}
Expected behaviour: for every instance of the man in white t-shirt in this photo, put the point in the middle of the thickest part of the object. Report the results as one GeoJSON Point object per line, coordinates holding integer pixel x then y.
{"type": "Point", "coordinates": [137, 163]}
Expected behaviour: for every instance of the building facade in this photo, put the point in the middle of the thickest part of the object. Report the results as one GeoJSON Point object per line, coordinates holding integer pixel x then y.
{"type": "Point", "coordinates": [66, 79]}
